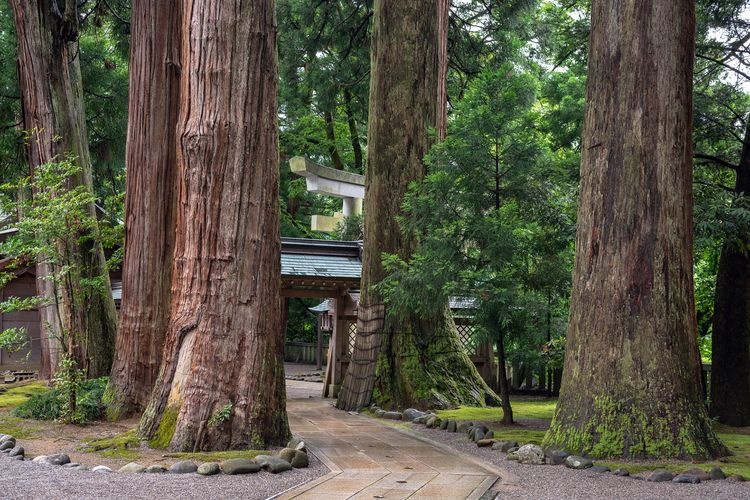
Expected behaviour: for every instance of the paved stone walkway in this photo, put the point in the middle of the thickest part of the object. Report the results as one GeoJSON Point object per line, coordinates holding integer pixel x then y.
{"type": "Point", "coordinates": [372, 460]}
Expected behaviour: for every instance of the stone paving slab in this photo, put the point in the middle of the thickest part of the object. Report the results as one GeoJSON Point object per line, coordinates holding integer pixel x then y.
{"type": "Point", "coordinates": [372, 460]}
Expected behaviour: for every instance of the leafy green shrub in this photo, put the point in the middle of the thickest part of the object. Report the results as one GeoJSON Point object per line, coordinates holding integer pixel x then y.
{"type": "Point", "coordinates": [47, 406]}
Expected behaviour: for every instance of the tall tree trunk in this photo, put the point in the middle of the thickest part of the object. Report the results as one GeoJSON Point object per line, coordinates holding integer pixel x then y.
{"type": "Point", "coordinates": [632, 385]}
{"type": "Point", "coordinates": [338, 164]}
{"type": "Point", "coordinates": [406, 361]}
{"type": "Point", "coordinates": [353, 132]}
{"type": "Point", "coordinates": [221, 383]}
{"type": "Point", "coordinates": [53, 114]}
{"type": "Point", "coordinates": [149, 204]}
{"type": "Point", "coordinates": [503, 380]}
{"type": "Point", "coordinates": [730, 370]}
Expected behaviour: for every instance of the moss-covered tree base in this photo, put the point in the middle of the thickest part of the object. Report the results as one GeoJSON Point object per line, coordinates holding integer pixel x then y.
{"type": "Point", "coordinates": [424, 365]}
{"type": "Point", "coordinates": [633, 429]}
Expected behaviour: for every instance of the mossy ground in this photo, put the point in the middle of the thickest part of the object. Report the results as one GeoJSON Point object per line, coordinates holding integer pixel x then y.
{"type": "Point", "coordinates": [533, 416]}
{"type": "Point", "coordinates": [17, 394]}
{"type": "Point", "coordinates": [123, 446]}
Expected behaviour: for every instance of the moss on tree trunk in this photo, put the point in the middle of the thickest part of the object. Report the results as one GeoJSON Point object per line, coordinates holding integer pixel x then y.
{"type": "Point", "coordinates": [631, 384]}
{"type": "Point", "coordinates": [407, 361]}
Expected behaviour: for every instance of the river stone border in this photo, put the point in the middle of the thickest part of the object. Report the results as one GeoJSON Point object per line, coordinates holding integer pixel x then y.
{"type": "Point", "coordinates": [293, 456]}
{"type": "Point", "coordinates": [483, 437]}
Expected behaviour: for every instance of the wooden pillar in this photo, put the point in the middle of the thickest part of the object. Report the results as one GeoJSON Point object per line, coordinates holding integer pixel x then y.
{"type": "Point", "coordinates": [319, 348]}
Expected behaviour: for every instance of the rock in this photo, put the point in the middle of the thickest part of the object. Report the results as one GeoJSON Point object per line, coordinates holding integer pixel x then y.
{"type": "Point", "coordinates": [485, 442]}
{"type": "Point", "coordinates": [71, 465]}
{"type": "Point", "coordinates": [556, 457]}
{"type": "Point", "coordinates": [373, 408]}
{"type": "Point", "coordinates": [464, 426]}
{"type": "Point", "coordinates": [513, 455]}
{"type": "Point", "coordinates": [239, 466]}
{"type": "Point", "coordinates": [208, 469]}
{"type": "Point", "coordinates": [600, 469]}
{"type": "Point", "coordinates": [56, 459]}
{"type": "Point", "coordinates": [7, 438]}
{"type": "Point", "coordinates": [155, 469]}
{"type": "Point", "coordinates": [577, 462]}
{"type": "Point", "coordinates": [621, 472]}
{"type": "Point", "coordinates": [393, 415]}
{"type": "Point", "coordinates": [287, 454]}
{"type": "Point", "coordinates": [7, 445]}
{"type": "Point", "coordinates": [736, 478]}
{"type": "Point", "coordinates": [132, 468]}
{"type": "Point", "coordinates": [79, 467]}
{"type": "Point", "coordinates": [297, 444]}
{"type": "Point", "coordinates": [17, 457]}
{"type": "Point", "coordinates": [444, 424]}
{"type": "Point", "coordinates": [300, 460]}
{"type": "Point", "coordinates": [451, 427]}
{"type": "Point", "coordinates": [716, 474]}
{"type": "Point", "coordinates": [686, 478]}
{"type": "Point", "coordinates": [530, 454]}
{"type": "Point", "coordinates": [422, 420]}
{"type": "Point", "coordinates": [513, 450]}
{"type": "Point", "coordinates": [16, 451]}
{"type": "Point", "coordinates": [504, 446]}
{"type": "Point", "coordinates": [101, 468]}
{"type": "Point", "coordinates": [699, 473]}
{"type": "Point", "coordinates": [273, 464]}
{"type": "Point", "coordinates": [412, 413]}
{"type": "Point", "coordinates": [489, 435]}
{"type": "Point", "coordinates": [433, 422]}
{"type": "Point", "coordinates": [478, 432]}
{"type": "Point", "coordinates": [379, 413]}
{"type": "Point", "coordinates": [183, 467]}
{"type": "Point", "coordinates": [660, 475]}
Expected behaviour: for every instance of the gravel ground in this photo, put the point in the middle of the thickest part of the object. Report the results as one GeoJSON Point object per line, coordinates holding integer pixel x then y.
{"type": "Point", "coordinates": [558, 482]}
{"type": "Point", "coordinates": [27, 480]}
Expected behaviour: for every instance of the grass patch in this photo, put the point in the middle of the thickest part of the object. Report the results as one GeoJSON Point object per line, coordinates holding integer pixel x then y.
{"type": "Point", "coordinates": [18, 427]}
{"type": "Point", "coordinates": [523, 436]}
{"type": "Point", "coordinates": [17, 395]}
{"type": "Point", "coordinates": [217, 456]}
{"type": "Point", "coordinates": [536, 408]}
{"type": "Point", "coordinates": [122, 446]}
{"type": "Point", "coordinates": [122, 441]}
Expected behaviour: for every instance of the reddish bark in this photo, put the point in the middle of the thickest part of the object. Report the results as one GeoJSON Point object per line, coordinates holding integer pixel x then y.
{"type": "Point", "coordinates": [224, 342]}
{"type": "Point", "coordinates": [149, 204]}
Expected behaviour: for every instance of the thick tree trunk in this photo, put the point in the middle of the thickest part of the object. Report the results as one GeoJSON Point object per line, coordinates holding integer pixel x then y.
{"type": "Point", "coordinates": [53, 113]}
{"type": "Point", "coordinates": [149, 204]}
{"type": "Point", "coordinates": [730, 370]}
{"type": "Point", "coordinates": [404, 361]}
{"type": "Point", "coordinates": [221, 383]}
{"type": "Point", "coordinates": [631, 384]}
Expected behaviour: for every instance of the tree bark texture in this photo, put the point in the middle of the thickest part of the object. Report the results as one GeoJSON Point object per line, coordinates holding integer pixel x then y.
{"type": "Point", "coordinates": [54, 118]}
{"type": "Point", "coordinates": [150, 204]}
{"type": "Point", "coordinates": [221, 383]}
{"type": "Point", "coordinates": [631, 384]}
{"type": "Point", "coordinates": [404, 361]}
{"type": "Point", "coordinates": [730, 370]}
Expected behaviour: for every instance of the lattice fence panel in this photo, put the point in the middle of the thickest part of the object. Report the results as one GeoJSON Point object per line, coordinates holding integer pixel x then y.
{"type": "Point", "coordinates": [352, 329]}
{"type": "Point", "coordinates": [467, 337]}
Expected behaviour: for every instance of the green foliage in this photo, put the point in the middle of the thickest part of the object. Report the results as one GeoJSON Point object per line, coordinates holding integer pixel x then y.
{"type": "Point", "coordinates": [53, 404]}
{"type": "Point", "coordinates": [222, 415]}
{"type": "Point", "coordinates": [68, 381]}
{"type": "Point", "coordinates": [350, 228]}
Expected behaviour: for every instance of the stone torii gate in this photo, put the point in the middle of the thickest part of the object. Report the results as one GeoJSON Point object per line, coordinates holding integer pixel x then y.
{"type": "Point", "coordinates": [331, 182]}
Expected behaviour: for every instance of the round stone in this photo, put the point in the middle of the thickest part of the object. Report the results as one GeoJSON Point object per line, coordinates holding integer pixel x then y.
{"type": "Point", "coordinates": [577, 462]}
{"type": "Point", "coordinates": [530, 454]}
{"type": "Point", "coordinates": [183, 467]}
{"type": "Point", "coordinates": [660, 475]}
{"type": "Point", "coordinates": [208, 469]}
{"type": "Point", "coordinates": [239, 466]}
{"type": "Point", "coordinates": [132, 468]}
{"type": "Point", "coordinates": [300, 460]}
{"type": "Point", "coordinates": [273, 464]}
{"type": "Point", "coordinates": [155, 469]}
